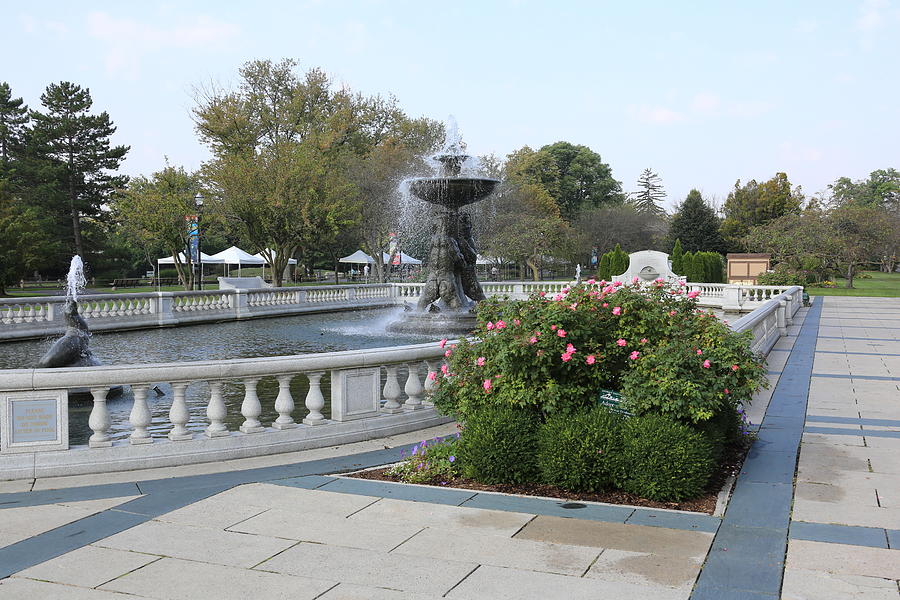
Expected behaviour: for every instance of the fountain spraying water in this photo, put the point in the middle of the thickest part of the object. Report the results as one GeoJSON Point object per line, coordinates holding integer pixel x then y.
{"type": "Point", "coordinates": [451, 285]}
{"type": "Point", "coordinates": [75, 280]}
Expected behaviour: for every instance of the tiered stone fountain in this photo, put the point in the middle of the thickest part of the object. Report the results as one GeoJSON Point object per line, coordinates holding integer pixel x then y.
{"type": "Point", "coordinates": [447, 303]}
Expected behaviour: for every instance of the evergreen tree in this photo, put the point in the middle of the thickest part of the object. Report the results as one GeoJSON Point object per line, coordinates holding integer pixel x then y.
{"type": "Point", "coordinates": [695, 223]}
{"type": "Point", "coordinates": [687, 266]}
{"type": "Point", "coordinates": [603, 269]}
{"type": "Point", "coordinates": [677, 257]}
{"type": "Point", "coordinates": [755, 204]}
{"type": "Point", "coordinates": [649, 195]}
{"type": "Point", "coordinates": [617, 264]}
{"type": "Point", "coordinates": [79, 143]}
{"type": "Point", "coordinates": [13, 120]}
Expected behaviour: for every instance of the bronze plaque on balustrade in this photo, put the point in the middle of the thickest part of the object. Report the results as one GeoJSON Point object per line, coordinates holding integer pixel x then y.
{"type": "Point", "coordinates": [34, 421]}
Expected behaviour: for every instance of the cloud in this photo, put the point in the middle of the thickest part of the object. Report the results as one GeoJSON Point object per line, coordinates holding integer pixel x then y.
{"type": "Point", "coordinates": [655, 114]}
{"type": "Point", "coordinates": [793, 152]}
{"type": "Point", "coordinates": [129, 40]}
{"type": "Point", "coordinates": [749, 108]}
{"type": "Point", "coordinates": [706, 103]}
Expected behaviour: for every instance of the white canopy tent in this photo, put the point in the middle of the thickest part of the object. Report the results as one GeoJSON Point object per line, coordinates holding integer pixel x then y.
{"type": "Point", "coordinates": [205, 259]}
{"type": "Point", "coordinates": [360, 258]}
{"type": "Point", "coordinates": [236, 256]}
{"type": "Point", "coordinates": [260, 255]}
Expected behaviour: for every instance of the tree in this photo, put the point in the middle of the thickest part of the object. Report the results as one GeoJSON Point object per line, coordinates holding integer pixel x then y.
{"type": "Point", "coordinates": [649, 195]}
{"type": "Point", "coordinates": [153, 211]}
{"type": "Point", "coordinates": [695, 223]}
{"type": "Point", "coordinates": [80, 143]}
{"type": "Point", "coordinates": [755, 203]}
{"type": "Point", "coordinates": [861, 231]}
{"type": "Point", "coordinates": [677, 257]}
{"type": "Point", "coordinates": [13, 120]}
{"type": "Point", "coordinates": [528, 227]}
{"type": "Point", "coordinates": [603, 271]}
{"type": "Point", "coordinates": [882, 188]}
{"type": "Point", "coordinates": [622, 224]}
{"type": "Point", "coordinates": [804, 243]}
{"type": "Point", "coordinates": [25, 242]}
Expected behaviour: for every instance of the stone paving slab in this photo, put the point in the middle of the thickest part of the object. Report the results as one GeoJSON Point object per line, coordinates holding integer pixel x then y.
{"type": "Point", "coordinates": [839, 534]}
{"type": "Point", "coordinates": [369, 568]}
{"type": "Point", "coordinates": [655, 572]}
{"type": "Point", "coordinates": [349, 591]}
{"type": "Point", "coordinates": [498, 583]}
{"type": "Point", "coordinates": [442, 516]}
{"type": "Point", "coordinates": [518, 553]}
{"type": "Point", "coordinates": [90, 566]}
{"type": "Point", "coordinates": [173, 579]}
{"type": "Point", "coordinates": [803, 584]}
{"type": "Point", "coordinates": [197, 543]}
{"type": "Point", "coordinates": [844, 559]}
{"type": "Point", "coordinates": [16, 588]}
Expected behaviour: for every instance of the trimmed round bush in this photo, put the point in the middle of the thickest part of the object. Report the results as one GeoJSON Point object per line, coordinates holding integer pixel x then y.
{"type": "Point", "coordinates": [578, 452]}
{"type": "Point", "coordinates": [665, 460]}
{"type": "Point", "coordinates": [498, 445]}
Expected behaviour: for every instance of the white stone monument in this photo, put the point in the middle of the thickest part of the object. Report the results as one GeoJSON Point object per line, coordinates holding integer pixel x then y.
{"type": "Point", "coordinates": [647, 266]}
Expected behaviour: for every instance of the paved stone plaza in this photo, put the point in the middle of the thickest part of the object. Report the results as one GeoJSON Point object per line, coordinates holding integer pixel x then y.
{"type": "Point", "coordinates": [815, 513]}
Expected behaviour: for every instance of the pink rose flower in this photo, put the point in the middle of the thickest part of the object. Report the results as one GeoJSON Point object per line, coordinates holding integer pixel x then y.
{"type": "Point", "coordinates": [635, 279]}
{"type": "Point", "coordinates": [734, 367]}
{"type": "Point", "coordinates": [500, 324]}
{"type": "Point", "coordinates": [432, 376]}
{"type": "Point", "coordinates": [706, 364]}
{"type": "Point", "coordinates": [445, 369]}
{"type": "Point", "coordinates": [634, 355]}
{"type": "Point", "coordinates": [591, 359]}
{"type": "Point", "coordinates": [727, 391]}
{"type": "Point", "coordinates": [490, 325]}
{"type": "Point", "coordinates": [542, 294]}
{"type": "Point", "coordinates": [448, 353]}
{"type": "Point", "coordinates": [617, 310]}
{"type": "Point", "coordinates": [621, 342]}
{"type": "Point", "coordinates": [517, 322]}
{"type": "Point", "coordinates": [553, 328]}
{"type": "Point", "coordinates": [561, 332]}
{"type": "Point", "coordinates": [699, 351]}
{"type": "Point", "coordinates": [591, 281]}
{"type": "Point", "coordinates": [487, 385]}
{"type": "Point", "coordinates": [693, 293]}
{"type": "Point", "coordinates": [644, 340]}
{"type": "Point", "coordinates": [605, 304]}
{"type": "Point", "coordinates": [480, 361]}
{"type": "Point", "coordinates": [672, 313]}
{"type": "Point", "coordinates": [566, 357]}
{"type": "Point", "coordinates": [570, 348]}
{"type": "Point", "coordinates": [443, 342]}
{"type": "Point", "coordinates": [533, 340]}
{"type": "Point", "coordinates": [618, 284]}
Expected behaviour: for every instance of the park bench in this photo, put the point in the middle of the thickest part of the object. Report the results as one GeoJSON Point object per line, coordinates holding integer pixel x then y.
{"type": "Point", "coordinates": [126, 282]}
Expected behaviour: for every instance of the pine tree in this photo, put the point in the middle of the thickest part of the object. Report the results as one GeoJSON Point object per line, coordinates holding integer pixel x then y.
{"type": "Point", "coordinates": [79, 142]}
{"type": "Point", "coordinates": [603, 269]}
{"type": "Point", "coordinates": [649, 195]}
{"type": "Point", "coordinates": [13, 119]}
{"type": "Point", "coordinates": [677, 257]}
{"type": "Point", "coordinates": [695, 223]}
{"type": "Point", "coordinates": [618, 264]}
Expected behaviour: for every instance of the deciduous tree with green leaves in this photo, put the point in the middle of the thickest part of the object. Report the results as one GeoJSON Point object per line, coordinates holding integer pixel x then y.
{"type": "Point", "coordinates": [754, 204]}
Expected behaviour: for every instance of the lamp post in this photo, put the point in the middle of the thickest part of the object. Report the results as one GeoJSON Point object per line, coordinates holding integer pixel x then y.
{"type": "Point", "coordinates": [198, 202]}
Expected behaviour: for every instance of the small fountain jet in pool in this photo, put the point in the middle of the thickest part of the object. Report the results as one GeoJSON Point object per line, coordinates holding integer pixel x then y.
{"type": "Point", "coordinates": [73, 348]}
{"type": "Point", "coordinates": [451, 285]}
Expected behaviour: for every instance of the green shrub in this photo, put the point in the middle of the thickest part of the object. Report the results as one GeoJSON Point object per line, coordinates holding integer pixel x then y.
{"type": "Point", "coordinates": [498, 445]}
{"type": "Point", "coordinates": [665, 460]}
{"type": "Point", "coordinates": [781, 277]}
{"type": "Point", "coordinates": [677, 257]}
{"type": "Point", "coordinates": [431, 461]}
{"type": "Point", "coordinates": [579, 452]}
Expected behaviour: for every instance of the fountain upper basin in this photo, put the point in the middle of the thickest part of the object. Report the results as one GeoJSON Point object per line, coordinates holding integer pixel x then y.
{"type": "Point", "coordinates": [452, 192]}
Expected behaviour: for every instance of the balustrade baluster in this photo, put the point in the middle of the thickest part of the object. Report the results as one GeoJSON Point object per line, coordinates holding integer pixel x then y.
{"type": "Point", "coordinates": [284, 404]}
{"type": "Point", "coordinates": [413, 388]}
{"type": "Point", "coordinates": [216, 411]}
{"type": "Point", "coordinates": [178, 413]}
{"type": "Point", "coordinates": [430, 379]}
{"type": "Point", "coordinates": [315, 401]}
{"type": "Point", "coordinates": [99, 419]}
{"type": "Point", "coordinates": [392, 391]}
{"type": "Point", "coordinates": [140, 415]}
{"type": "Point", "coordinates": [250, 407]}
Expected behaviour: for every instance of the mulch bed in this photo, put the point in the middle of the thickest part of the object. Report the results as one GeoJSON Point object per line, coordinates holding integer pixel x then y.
{"type": "Point", "coordinates": [731, 465]}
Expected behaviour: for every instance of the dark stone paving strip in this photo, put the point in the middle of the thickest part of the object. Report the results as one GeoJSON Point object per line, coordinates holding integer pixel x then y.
{"type": "Point", "coordinates": [873, 537]}
{"type": "Point", "coordinates": [76, 494]}
{"type": "Point", "coordinates": [160, 496]}
{"type": "Point", "coordinates": [853, 421]}
{"type": "Point", "coordinates": [860, 377]}
{"type": "Point", "coordinates": [746, 559]}
{"type": "Point", "coordinates": [845, 431]}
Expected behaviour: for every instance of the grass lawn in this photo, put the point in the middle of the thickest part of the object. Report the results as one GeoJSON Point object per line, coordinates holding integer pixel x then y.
{"type": "Point", "coordinates": [881, 284]}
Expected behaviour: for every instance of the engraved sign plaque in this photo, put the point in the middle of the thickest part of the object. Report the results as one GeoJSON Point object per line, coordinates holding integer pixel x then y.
{"type": "Point", "coordinates": [355, 393]}
{"type": "Point", "coordinates": [34, 421]}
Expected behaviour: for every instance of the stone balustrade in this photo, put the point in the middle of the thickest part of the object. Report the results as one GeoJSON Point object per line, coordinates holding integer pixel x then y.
{"type": "Point", "coordinates": [363, 405]}
{"type": "Point", "coordinates": [40, 317]}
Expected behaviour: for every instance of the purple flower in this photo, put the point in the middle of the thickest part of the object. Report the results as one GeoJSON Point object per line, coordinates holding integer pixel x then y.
{"type": "Point", "coordinates": [452, 458]}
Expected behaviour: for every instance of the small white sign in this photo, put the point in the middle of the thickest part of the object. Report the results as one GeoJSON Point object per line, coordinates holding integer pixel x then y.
{"type": "Point", "coordinates": [34, 421]}
{"type": "Point", "coordinates": [355, 393]}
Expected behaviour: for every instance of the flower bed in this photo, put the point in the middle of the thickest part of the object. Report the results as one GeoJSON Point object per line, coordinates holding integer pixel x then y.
{"type": "Point", "coordinates": [526, 390]}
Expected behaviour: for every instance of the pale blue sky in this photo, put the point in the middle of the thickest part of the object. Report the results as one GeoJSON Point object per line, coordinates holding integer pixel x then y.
{"type": "Point", "coordinates": [704, 93]}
